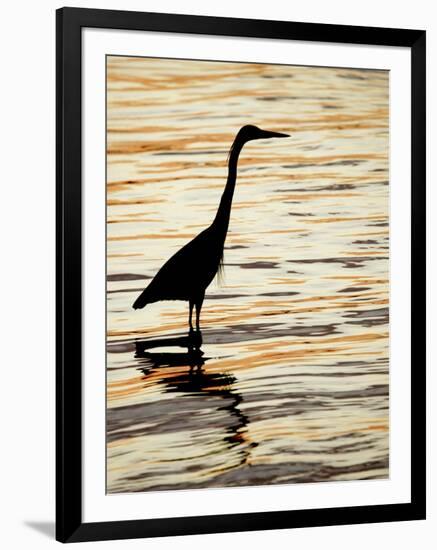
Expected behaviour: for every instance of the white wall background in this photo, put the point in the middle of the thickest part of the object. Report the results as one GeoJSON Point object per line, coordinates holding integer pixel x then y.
{"type": "Point", "coordinates": [27, 233]}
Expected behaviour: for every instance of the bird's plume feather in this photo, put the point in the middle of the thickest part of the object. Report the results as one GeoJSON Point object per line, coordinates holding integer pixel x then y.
{"type": "Point", "coordinates": [221, 272]}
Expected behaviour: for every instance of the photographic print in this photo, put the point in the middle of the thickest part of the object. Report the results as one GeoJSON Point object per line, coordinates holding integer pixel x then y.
{"type": "Point", "coordinates": [247, 262]}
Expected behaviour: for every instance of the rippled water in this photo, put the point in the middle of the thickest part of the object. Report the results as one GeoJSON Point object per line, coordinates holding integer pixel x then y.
{"type": "Point", "coordinates": [291, 384]}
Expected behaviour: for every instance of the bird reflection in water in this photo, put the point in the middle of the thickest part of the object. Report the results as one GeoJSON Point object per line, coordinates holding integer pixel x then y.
{"type": "Point", "coordinates": [183, 372]}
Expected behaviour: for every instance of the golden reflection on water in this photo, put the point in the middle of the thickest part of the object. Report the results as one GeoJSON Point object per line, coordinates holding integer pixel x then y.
{"type": "Point", "coordinates": [292, 385]}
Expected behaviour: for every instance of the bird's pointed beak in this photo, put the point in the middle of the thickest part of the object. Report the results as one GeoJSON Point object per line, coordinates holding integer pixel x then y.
{"type": "Point", "coordinates": [266, 134]}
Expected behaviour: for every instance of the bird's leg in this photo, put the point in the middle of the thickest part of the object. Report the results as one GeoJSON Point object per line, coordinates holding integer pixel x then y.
{"type": "Point", "coordinates": [199, 303]}
{"type": "Point", "coordinates": [190, 319]}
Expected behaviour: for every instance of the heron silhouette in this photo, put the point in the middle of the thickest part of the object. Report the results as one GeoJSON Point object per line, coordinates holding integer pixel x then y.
{"type": "Point", "coordinates": [189, 272]}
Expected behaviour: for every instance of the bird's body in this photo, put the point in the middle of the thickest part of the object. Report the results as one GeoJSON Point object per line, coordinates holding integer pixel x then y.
{"type": "Point", "coordinates": [188, 273]}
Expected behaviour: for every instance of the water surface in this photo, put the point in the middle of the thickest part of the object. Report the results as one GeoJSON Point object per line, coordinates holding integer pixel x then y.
{"type": "Point", "coordinates": [291, 384]}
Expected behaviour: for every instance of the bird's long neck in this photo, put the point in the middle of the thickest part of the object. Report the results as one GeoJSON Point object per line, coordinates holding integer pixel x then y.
{"type": "Point", "coordinates": [221, 221]}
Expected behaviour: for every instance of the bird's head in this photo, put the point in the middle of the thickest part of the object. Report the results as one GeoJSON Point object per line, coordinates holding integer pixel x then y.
{"type": "Point", "coordinates": [250, 132]}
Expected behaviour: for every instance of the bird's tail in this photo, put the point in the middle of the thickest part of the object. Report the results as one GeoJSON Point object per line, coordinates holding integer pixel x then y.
{"type": "Point", "coordinates": [142, 300]}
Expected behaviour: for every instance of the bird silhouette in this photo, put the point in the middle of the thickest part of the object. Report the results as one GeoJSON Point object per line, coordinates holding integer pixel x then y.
{"type": "Point", "coordinates": [188, 273]}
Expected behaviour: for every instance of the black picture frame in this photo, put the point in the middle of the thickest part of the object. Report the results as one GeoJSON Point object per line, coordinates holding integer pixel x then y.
{"type": "Point", "coordinates": [69, 524]}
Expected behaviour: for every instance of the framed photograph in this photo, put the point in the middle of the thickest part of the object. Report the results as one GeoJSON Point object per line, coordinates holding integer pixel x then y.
{"type": "Point", "coordinates": [240, 274]}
